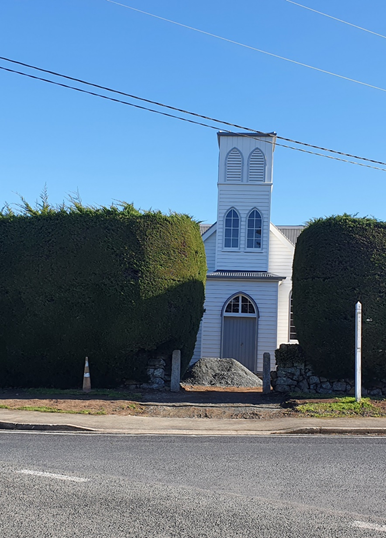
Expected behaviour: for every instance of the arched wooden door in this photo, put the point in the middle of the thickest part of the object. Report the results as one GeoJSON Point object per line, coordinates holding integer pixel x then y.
{"type": "Point", "coordinates": [239, 330]}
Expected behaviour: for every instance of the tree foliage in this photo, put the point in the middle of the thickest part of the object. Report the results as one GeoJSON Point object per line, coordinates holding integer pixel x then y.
{"type": "Point", "coordinates": [338, 261]}
{"type": "Point", "coordinates": [111, 283]}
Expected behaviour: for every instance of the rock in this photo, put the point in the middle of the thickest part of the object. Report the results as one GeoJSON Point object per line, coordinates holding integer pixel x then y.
{"type": "Point", "coordinates": [339, 386]}
{"type": "Point", "coordinates": [156, 384]}
{"type": "Point", "coordinates": [314, 380]}
{"type": "Point", "coordinates": [292, 370]}
{"type": "Point", "coordinates": [282, 388]}
{"type": "Point", "coordinates": [375, 392]}
{"type": "Point", "coordinates": [221, 373]}
{"type": "Point", "coordinates": [159, 372]}
{"type": "Point", "coordinates": [303, 386]}
{"type": "Point", "coordinates": [323, 391]}
{"type": "Point", "coordinates": [326, 385]}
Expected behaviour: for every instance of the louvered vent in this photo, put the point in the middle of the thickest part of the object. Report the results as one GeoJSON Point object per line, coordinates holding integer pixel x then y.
{"type": "Point", "coordinates": [256, 170]}
{"type": "Point", "coordinates": [234, 165]}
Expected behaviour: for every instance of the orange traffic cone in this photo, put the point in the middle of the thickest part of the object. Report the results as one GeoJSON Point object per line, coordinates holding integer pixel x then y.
{"type": "Point", "coordinates": [86, 377]}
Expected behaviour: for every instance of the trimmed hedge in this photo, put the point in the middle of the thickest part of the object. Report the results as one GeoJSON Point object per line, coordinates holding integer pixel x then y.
{"type": "Point", "coordinates": [289, 355]}
{"type": "Point", "coordinates": [111, 284]}
{"type": "Point", "coordinates": [338, 261]}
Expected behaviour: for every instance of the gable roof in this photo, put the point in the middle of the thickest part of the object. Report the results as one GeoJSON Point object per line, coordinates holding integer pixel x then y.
{"type": "Point", "coordinates": [291, 232]}
{"type": "Point", "coordinates": [204, 228]}
{"type": "Point", "coordinates": [207, 230]}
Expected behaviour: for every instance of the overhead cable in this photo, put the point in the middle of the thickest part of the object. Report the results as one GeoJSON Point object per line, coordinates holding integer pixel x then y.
{"type": "Point", "coordinates": [81, 90]}
{"type": "Point", "coordinates": [195, 114]}
{"type": "Point", "coordinates": [251, 48]}
{"type": "Point", "coordinates": [335, 18]}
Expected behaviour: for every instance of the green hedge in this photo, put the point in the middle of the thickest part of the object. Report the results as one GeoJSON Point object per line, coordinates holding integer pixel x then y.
{"type": "Point", "coordinates": [339, 261]}
{"type": "Point", "coordinates": [289, 355]}
{"type": "Point", "coordinates": [111, 284]}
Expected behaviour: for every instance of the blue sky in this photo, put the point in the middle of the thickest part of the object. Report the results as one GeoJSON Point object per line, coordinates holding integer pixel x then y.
{"type": "Point", "coordinates": [107, 151]}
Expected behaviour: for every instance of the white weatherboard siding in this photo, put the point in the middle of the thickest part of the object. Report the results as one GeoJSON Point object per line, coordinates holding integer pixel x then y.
{"type": "Point", "coordinates": [243, 197]}
{"type": "Point", "coordinates": [210, 251]}
{"type": "Point", "coordinates": [265, 294]}
{"type": "Point", "coordinates": [280, 262]}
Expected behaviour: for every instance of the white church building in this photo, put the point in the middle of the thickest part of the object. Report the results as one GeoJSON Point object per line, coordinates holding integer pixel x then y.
{"type": "Point", "coordinates": [248, 288]}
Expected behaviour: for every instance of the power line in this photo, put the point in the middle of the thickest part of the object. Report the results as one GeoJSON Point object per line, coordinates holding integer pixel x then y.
{"type": "Point", "coordinates": [335, 18]}
{"type": "Point", "coordinates": [209, 118]}
{"type": "Point", "coordinates": [67, 86]}
{"type": "Point", "coordinates": [250, 47]}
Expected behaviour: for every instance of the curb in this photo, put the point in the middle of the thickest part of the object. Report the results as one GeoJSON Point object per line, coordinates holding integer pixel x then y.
{"type": "Point", "coordinates": [44, 427]}
{"type": "Point", "coordinates": [330, 430]}
{"type": "Point", "coordinates": [247, 433]}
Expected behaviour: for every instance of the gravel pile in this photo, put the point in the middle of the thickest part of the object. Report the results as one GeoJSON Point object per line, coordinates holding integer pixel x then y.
{"type": "Point", "coordinates": [221, 373]}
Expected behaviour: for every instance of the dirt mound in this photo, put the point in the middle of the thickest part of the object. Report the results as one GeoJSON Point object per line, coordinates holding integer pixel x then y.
{"type": "Point", "coordinates": [221, 373]}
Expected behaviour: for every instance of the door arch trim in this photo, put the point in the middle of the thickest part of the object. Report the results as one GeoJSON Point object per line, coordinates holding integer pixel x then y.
{"type": "Point", "coordinates": [235, 295]}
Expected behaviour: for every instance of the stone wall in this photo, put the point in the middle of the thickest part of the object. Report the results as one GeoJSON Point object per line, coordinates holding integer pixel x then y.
{"type": "Point", "coordinates": [158, 370]}
{"type": "Point", "coordinates": [298, 377]}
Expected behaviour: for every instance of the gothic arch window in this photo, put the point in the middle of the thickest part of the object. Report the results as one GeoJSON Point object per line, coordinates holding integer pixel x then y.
{"type": "Point", "coordinates": [256, 166]}
{"type": "Point", "coordinates": [233, 165]}
{"type": "Point", "coordinates": [254, 230]}
{"type": "Point", "coordinates": [232, 229]}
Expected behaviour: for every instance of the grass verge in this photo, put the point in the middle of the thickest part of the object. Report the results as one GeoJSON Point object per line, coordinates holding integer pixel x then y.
{"type": "Point", "coordinates": [46, 409]}
{"type": "Point", "coordinates": [344, 406]}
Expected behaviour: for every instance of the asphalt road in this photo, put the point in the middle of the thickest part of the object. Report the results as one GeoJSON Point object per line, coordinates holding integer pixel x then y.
{"type": "Point", "coordinates": [65, 485]}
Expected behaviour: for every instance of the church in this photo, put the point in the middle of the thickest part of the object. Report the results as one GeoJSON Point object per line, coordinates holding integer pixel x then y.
{"type": "Point", "coordinates": [249, 279]}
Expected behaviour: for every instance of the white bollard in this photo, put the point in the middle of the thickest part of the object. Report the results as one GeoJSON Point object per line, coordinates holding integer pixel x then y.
{"type": "Point", "coordinates": [358, 351]}
{"type": "Point", "coordinates": [176, 371]}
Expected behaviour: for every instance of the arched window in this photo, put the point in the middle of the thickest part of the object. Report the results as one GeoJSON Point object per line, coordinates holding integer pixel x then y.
{"type": "Point", "coordinates": [254, 224]}
{"type": "Point", "coordinates": [256, 166]}
{"type": "Point", "coordinates": [233, 166]}
{"type": "Point", "coordinates": [232, 229]}
{"type": "Point", "coordinates": [240, 305]}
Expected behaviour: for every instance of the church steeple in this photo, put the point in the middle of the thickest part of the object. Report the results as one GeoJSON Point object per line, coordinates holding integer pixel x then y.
{"type": "Point", "coordinates": [244, 200]}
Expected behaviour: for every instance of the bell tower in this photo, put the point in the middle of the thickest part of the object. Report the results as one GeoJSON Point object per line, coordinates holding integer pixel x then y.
{"type": "Point", "coordinates": [244, 200]}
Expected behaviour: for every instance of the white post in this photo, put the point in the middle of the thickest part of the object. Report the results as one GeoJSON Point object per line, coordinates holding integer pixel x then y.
{"type": "Point", "coordinates": [176, 371]}
{"type": "Point", "coordinates": [358, 351]}
{"type": "Point", "coordinates": [266, 373]}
